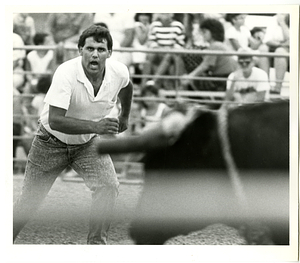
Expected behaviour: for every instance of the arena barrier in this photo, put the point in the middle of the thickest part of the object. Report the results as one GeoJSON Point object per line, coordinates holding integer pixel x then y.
{"type": "Point", "coordinates": [167, 96]}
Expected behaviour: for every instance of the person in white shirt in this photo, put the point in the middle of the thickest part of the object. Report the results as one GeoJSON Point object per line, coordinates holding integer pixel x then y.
{"type": "Point", "coordinates": [277, 40]}
{"type": "Point", "coordinates": [40, 61]}
{"type": "Point", "coordinates": [238, 35]}
{"type": "Point", "coordinates": [83, 92]}
{"type": "Point", "coordinates": [248, 84]}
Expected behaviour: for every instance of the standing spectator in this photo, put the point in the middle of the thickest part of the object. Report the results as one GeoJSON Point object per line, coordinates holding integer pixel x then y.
{"type": "Point", "coordinates": [165, 33]}
{"type": "Point", "coordinates": [121, 27]}
{"type": "Point", "coordinates": [65, 29]}
{"type": "Point", "coordinates": [24, 25]}
{"type": "Point", "coordinates": [277, 39]}
{"type": "Point", "coordinates": [238, 35]}
{"type": "Point", "coordinates": [212, 65]}
{"type": "Point", "coordinates": [248, 83]}
{"type": "Point", "coordinates": [82, 94]}
{"type": "Point", "coordinates": [38, 103]}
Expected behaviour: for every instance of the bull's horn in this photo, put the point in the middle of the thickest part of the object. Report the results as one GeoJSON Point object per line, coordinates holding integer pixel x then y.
{"type": "Point", "coordinates": [158, 137]}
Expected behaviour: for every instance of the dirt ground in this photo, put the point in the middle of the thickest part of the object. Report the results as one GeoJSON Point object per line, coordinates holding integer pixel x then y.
{"type": "Point", "coordinates": [63, 218]}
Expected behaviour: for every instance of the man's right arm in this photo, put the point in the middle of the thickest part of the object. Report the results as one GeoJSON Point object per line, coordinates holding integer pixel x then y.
{"type": "Point", "coordinates": [59, 122]}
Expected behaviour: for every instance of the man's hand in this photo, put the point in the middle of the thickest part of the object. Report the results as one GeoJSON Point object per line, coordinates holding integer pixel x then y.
{"type": "Point", "coordinates": [107, 126]}
{"type": "Point", "coordinates": [123, 124]}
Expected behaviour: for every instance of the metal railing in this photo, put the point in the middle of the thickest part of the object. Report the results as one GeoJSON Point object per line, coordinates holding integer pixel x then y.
{"type": "Point", "coordinates": [168, 96]}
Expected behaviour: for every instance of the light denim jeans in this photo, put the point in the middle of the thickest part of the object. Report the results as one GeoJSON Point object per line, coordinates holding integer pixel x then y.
{"type": "Point", "coordinates": [47, 158]}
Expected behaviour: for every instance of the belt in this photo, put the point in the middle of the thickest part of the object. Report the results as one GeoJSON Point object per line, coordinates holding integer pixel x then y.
{"type": "Point", "coordinates": [43, 129]}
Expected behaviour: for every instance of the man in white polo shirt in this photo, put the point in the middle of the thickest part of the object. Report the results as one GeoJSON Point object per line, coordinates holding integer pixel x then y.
{"type": "Point", "coordinates": [83, 92]}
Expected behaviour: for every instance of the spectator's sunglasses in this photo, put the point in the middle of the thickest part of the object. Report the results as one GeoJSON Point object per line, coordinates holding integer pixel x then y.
{"type": "Point", "coordinates": [245, 62]}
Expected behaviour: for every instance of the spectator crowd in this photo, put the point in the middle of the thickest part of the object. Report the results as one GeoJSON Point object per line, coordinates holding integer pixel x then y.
{"type": "Point", "coordinates": [245, 77]}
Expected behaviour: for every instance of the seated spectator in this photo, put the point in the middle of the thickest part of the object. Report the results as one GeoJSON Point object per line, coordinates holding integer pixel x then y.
{"type": "Point", "coordinates": [277, 39]}
{"type": "Point", "coordinates": [39, 61]}
{"type": "Point", "coordinates": [18, 63]}
{"type": "Point", "coordinates": [150, 114]}
{"type": "Point", "coordinates": [165, 33]}
{"type": "Point", "coordinates": [212, 65]}
{"type": "Point", "coordinates": [194, 41]}
{"type": "Point", "coordinates": [152, 111]}
{"type": "Point", "coordinates": [24, 26]}
{"type": "Point", "coordinates": [238, 35]}
{"type": "Point", "coordinates": [248, 83]}
{"type": "Point", "coordinates": [17, 125]}
{"type": "Point", "coordinates": [258, 33]}
{"type": "Point", "coordinates": [18, 86]}
{"type": "Point", "coordinates": [140, 41]}
{"type": "Point", "coordinates": [65, 29]}
{"type": "Point", "coordinates": [42, 88]}
{"type": "Point", "coordinates": [37, 105]}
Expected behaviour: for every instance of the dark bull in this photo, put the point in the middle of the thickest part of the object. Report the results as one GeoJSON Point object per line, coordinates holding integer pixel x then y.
{"type": "Point", "coordinates": [189, 183]}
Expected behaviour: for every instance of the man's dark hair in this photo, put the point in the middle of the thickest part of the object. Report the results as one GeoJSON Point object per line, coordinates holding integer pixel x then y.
{"type": "Point", "coordinates": [230, 17]}
{"type": "Point", "coordinates": [256, 29]}
{"type": "Point", "coordinates": [148, 88]}
{"type": "Point", "coordinates": [98, 33]}
{"type": "Point", "coordinates": [215, 27]}
{"type": "Point", "coordinates": [136, 16]}
{"type": "Point", "coordinates": [39, 38]}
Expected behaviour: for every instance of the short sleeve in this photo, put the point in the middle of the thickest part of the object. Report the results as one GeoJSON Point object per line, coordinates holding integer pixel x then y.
{"type": "Point", "coordinates": [231, 33]}
{"type": "Point", "coordinates": [229, 81]}
{"type": "Point", "coordinates": [59, 93]}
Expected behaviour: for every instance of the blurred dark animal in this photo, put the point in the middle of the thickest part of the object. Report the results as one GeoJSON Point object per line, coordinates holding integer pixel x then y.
{"type": "Point", "coordinates": [188, 186]}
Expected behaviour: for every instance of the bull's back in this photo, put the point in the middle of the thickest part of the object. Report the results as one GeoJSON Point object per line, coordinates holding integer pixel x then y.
{"type": "Point", "coordinates": [259, 136]}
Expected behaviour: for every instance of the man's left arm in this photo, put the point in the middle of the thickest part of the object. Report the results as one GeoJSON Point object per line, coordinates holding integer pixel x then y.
{"type": "Point", "coordinates": [125, 96]}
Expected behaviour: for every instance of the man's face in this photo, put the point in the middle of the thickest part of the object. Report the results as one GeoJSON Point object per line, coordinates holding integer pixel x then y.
{"type": "Point", "coordinates": [246, 64]}
{"type": "Point", "coordinates": [94, 55]}
{"type": "Point", "coordinates": [240, 20]}
{"type": "Point", "coordinates": [206, 34]}
{"type": "Point", "coordinates": [165, 17]}
{"type": "Point", "coordinates": [144, 19]}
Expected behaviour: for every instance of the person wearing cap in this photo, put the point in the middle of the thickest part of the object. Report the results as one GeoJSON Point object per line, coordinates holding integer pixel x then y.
{"type": "Point", "coordinates": [248, 84]}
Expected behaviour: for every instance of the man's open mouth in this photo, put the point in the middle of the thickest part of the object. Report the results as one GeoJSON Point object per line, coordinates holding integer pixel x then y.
{"type": "Point", "coordinates": [94, 63]}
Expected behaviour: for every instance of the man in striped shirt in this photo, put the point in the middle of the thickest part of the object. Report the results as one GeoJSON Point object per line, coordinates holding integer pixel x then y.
{"type": "Point", "coordinates": [164, 33]}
